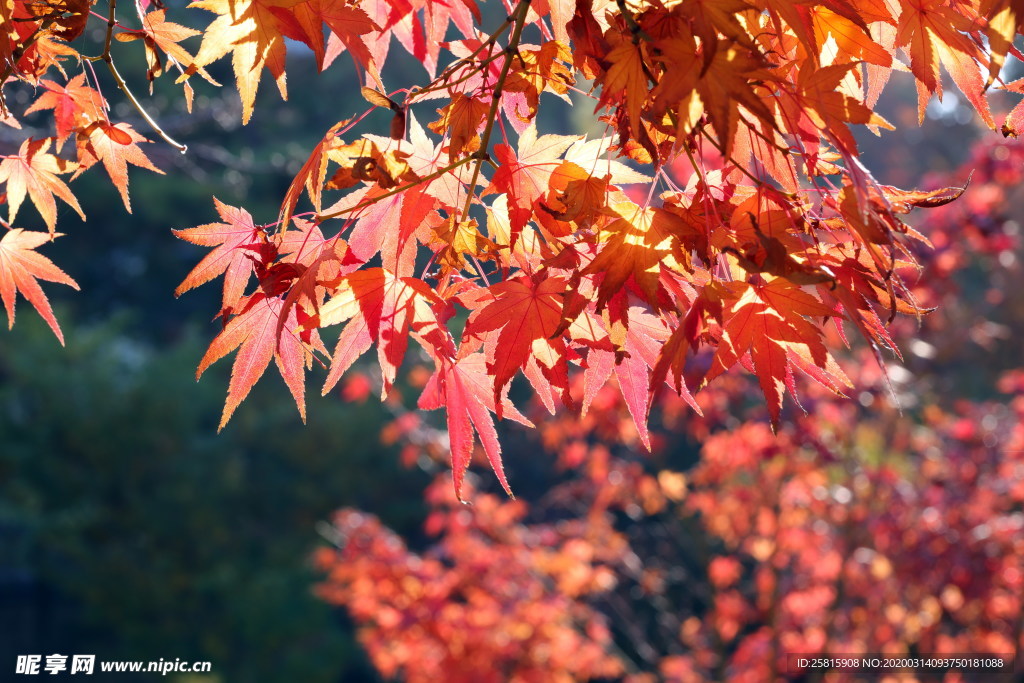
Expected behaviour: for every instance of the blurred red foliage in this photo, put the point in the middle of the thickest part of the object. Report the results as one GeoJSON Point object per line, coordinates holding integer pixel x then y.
{"type": "Point", "coordinates": [890, 523]}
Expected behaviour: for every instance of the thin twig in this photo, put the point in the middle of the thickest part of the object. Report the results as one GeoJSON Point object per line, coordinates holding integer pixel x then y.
{"type": "Point", "coordinates": [111, 23]}
{"type": "Point", "coordinates": [465, 61]}
{"type": "Point", "coordinates": [401, 188]}
{"type": "Point", "coordinates": [512, 48]}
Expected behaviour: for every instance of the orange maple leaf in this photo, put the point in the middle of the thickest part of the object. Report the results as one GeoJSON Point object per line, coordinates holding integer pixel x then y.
{"type": "Point", "coordinates": [730, 81]}
{"type": "Point", "coordinates": [160, 35]}
{"type": "Point", "coordinates": [626, 78]}
{"type": "Point", "coordinates": [74, 105]}
{"type": "Point", "coordinates": [34, 172]}
{"type": "Point", "coordinates": [116, 146]}
{"type": "Point", "coordinates": [463, 389]}
{"type": "Point", "coordinates": [768, 321]}
{"type": "Point", "coordinates": [461, 119]}
{"type": "Point", "coordinates": [305, 21]}
{"type": "Point", "coordinates": [253, 333]}
{"type": "Point", "coordinates": [932, 33]}
{"type": "Point", "coordinates": [21, 266]}
{"type": "Point", "coordinates": [524, 176]}
{"type": "Point", "coordinates": [250, 31]}
{"type": "Point", "coordinates": [379, 308]}
{"type": "Point", "coordinates": [639, 244]}
{"type": "Point", "coordinates": [817, 99]}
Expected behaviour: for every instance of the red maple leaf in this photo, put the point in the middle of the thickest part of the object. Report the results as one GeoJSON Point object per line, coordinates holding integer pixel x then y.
{"type": "Point", "coordinates": [525, 309]}
{"type": "Point", "coordinates": [463, 389]}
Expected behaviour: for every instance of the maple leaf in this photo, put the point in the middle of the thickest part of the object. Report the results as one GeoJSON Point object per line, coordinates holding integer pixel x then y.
{"type": "Point", "coordinates": [525, 309]}
{"type": "Point", "coordinates": [852, 37]}
{"type": "Point", "coordinates": [460, 238]}
{"type": "Point", "coordinates": [160, 35]}
{"type": "Point", "coordinates": [375, 230]}
{"type": "Point", "coordinates": [640, 243]}
{"type": "Point", "coordinates": [236, 241]}
{"type": "Point", "coordinates": [423, 36]}
{"type": "Point", "coordinates": [626, 78]}
{"type": "Point", "coordinates": [363, 161]}
{"type": "Point", "coordinates": [818, 99]}
{"type": "Point", "coordinates": [574, 194]}
{"type": "Point", "coordinates": [902, 201]}
{"type": "Point", "coordinates": [934, 33]}
{"type": "Point", "coordinates": [34, 172]}
{"type": "Point", "coordinates": [304, 22]}
{"type": "Point", "coordinates": [426, 159]}
{"type": "Point", "coordinates": [21, 266]}
{"type": "Point", "coordinates": [524, 177]}
{"type": "Point", "coordinates": [314, 260]}
{"type": "Point", "coordinates": [461, 119]}
{"type": "Point", "coordinates": [253, 332]}
{"type": "Point", "coordinates": [730, 81]}
{"type": "Point", "coordinates": [711, 17]}
{"type": "Point", "coordinates": [1013, 124]}
{"type": "Point", "coordinates": [383, 309]}
{"type": "Point", "coordinates": [768, 321]}
{"type": "Point", "coordinates": [1005, 20]}
{"type": "Point", "coordinates": [250, 31]}
{"type": "Point", "coordinates": [672, 355]}
{"type": "Point", "coordinates": [463, 389]}
{"type": "Point", "coordinates": [754, 101]}
{"type": "Point", "coordinates": [69, 17]}
{"type": "Point", "coordinates": [115, 146]}
{"type": "Point", "coordinates": [632, 367]}
{"type": "Point", "coordinates": [311, 176]}
{"type": "Point", "coordinates": [541, 70]}
{"type": "Point", "coordinates": [74, 105]}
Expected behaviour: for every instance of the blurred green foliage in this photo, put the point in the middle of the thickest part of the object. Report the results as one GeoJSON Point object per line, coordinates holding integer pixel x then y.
{"type": "Point", "coordinates": [171, 540]}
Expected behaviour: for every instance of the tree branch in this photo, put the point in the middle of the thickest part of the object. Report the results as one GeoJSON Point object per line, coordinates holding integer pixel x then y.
{"type": "Point", "coordinates": [519, 18]}
{"type": "Point", "coordinates": [111, 23]}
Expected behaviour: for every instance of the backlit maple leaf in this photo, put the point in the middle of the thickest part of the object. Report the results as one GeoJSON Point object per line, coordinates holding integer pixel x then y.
{"type": "Point", "coordinates": [932, 33]}
{"type": "Point", "coordinates": [236, 241]}
{"type": "Point", "coordinates": [253, 333]}
{"type": "Point", "coordinates": [250, 31]}
{"type": "Point", "coordinates": [21, 266]}
{"type": "Point", "coordinates": [305, 21]}
{"type": "Point", "coordinates": [524, 176]}
{"type": "Point", "coordinates": [639, 243]}
{"type": "Point", "coordinates": [380, 309]}
{"type": "Point", "coordinates": [34, 172]}
{"type": "Point", "coordinates": [160, 35]}
{"type": "Point", "coordinates": [463, 389]}
{"type": "Point", "coordinates": [768, 320]}
{"type": "Point", "coordinates": [74, 104]}
{"type": "Point", "coordinates": [115, 146]}
{"type": "Point", "coordinates": [526, 310]}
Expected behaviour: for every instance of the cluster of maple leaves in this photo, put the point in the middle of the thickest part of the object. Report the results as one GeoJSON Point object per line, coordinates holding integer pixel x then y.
{"type": "Point", "coordinates": [860, 527]}
{"type": "Point", "coordinates": [502, 251]}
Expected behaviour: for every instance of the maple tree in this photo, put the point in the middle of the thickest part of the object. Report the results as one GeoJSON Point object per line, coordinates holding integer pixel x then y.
{"type": "Point", "coordinates": [725, 219]}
